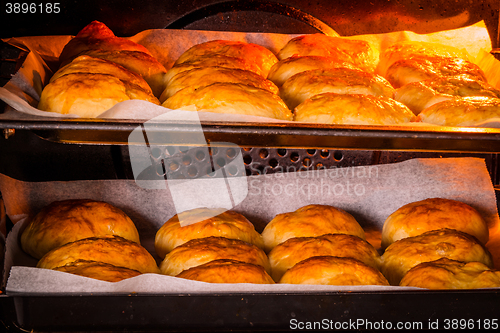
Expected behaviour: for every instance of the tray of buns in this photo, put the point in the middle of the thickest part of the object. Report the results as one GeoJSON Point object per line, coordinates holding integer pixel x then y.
{"type": "Point", "coordinates": [393, 91]}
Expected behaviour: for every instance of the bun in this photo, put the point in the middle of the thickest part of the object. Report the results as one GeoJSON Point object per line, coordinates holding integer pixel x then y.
{"type": "Point", "coordinates": [451, 274]}
{"type": "Point", "coordinates": [98, 270]}
{"type": "Point", "coordinates": [204, 222]}
{"type": "Point", "coordinates": [406, 253]}
{"type": "Point", "coordinates": [431, 214]}
{"type": "Point", "coordinates": [309, 83]}
{"type": "Point", "coordinates": [310, 221]}
{"type": "Point", "coordinates": [328, 270]}
{"type": "Point", "coordinates": [331, 108]}
{"type": "Point", "coordinates": [112, 250]}
{"type": "Point", "coordinates": [423, 94]}
{"type": "Point", "coordinates": [230, 98]}
{"type": "Point", "coordinates": [66, 221]}
{"type": "Point", "coordinates": [262, 57]}
{"type": "Point", "coordinates": [227, 271]}
{"type": "Point", "coordinates": [202, 250]}
{"type": "Point", "coordinates": [203, 76]}
{"type": "Point", "coordinates": [287, 254]}
{"type": "Point", "coordinates": [286, 68]}
{"type": "Point", "coordinates": [466, 111]}
{"type": "Point", "coordinates": [357, 52]}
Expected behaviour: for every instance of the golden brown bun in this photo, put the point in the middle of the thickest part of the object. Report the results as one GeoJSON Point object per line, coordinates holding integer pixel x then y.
{"type": "Point", "coordinates": [227, 271]}
{"type": "Point", "coordinates": [358, 52]}
{"type": "Point", "coordinates": [287, 254]}
{"type": "Point", "coordinates": [431, 214]}
{"type": "Point", "coordinates": [406, 253]}
{"type": "Point", "coordinates": [310, 221]}
{"type": "Point", "coordinates": [419, 68]}
{"type": "Point", "coordinates": [113, 250]}
{"type": "Point", "coordinates": [98, 270]}
{"type": "Point", "coordinates": [423, 94]}
{"type": "Point", "coordinates": [262, 57]}
{"type": "Point", "coordinates": [286, 68]}
{"type": "Point", "coordinates": [204, 76]}
{"type": "Point", "coordinates": [90, 65]}
{"type": "Point", "coordinates": [152, 71]}
{"type": "Point", "coordinates": [204, 222]}
{"type": "Point", "coordinates": [202, 250]}
{"type": "Point", "coordinates": [97, 36]}
{"type": "Point", "coordinates": [406, 49]}
{"type": "Point", "coordinates": [329, 270]}
{"type": "Point", "coordinates": [465, 111]}
{"type": "Point", "coordinates": [66, 221]}
{"type": "Point", "coordinates": [331, 108]}
{"type": "Point", "coordinates": [451, 274]}
{"type": "Point", "coordinates": [309, 83]}
{"type": "Point", "coordinates": [230, 98]}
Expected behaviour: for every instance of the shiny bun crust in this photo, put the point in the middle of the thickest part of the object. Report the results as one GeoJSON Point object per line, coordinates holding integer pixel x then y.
{"type": "Point", "coordinates": [310, 221]}
{"type": "Point", "coordinates": [112, 250]}
{"type": "Point", "coordinates": [227, 271]}
{"type": "Point", "coordinates": [451, 274]}
{"type": "Point", "coordinates": [66, 221]}
{"type": "Point", "coordinates": [98, 270]}
{"type": "Point", "coordinates": [204, 222]}
{"type": "Point", "coordinates": [406, 253]}
{"type": "Point", "coordinates": [430, 214]}
{"type": "Point", "coordinates": [329, 270]}
{"type": "Point", "coordinates": [262, 57]}
{"type": "Point", "coordinates": [230, 98]}
{"type": "Point", "coordinates": [202, 250]}
{"type": "Point", "coordinates": [331, 108]}
{"type": "Point", "coordinates": [313, 82]}
{"type": "Point", "coordinates": [287, 254]}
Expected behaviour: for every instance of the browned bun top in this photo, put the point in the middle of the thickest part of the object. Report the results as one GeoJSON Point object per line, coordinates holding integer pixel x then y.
{"type": "Point", "coordinates": [112, 250]}
{"type": "Point", "coordinates": [330, 270]}
{"type": "Point", "coordinates": [98, 270]}
{"type": "Point", "coordinates": [228, 271]}
{"type": "Point", "coordinates": [202, 250]}
{"type": "Point", "coordinates": [66, 221]}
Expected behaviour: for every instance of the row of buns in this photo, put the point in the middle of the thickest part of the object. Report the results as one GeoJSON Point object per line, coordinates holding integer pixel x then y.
{"type": "Point", "coordinates": [434, 243]}
{"type": "Point", "coordinates": [312, 78]}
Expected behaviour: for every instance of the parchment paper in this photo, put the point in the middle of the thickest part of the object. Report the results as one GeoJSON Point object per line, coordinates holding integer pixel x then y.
{"type": "Point", "coordinates": [369, 193]}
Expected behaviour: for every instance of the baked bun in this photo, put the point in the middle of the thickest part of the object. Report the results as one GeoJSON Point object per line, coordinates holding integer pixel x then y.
{"type": "Point", "coordinates": [262, 57]}
{"type": "Point", "coordinates": [89, 95]}
{"type": "Point", "coordinates": [329, 270]}
{"type": "Point", "coordinates": [204, 222]}
{"type": "Point", "coordinates": [307, 84]}
{"type": "Point", "coordinates": [66, 221]}
{"type": "Point", "coordinates": [423, 94]}
{"type": "Point", "coordinates": [98, 270]}
{"type": "Point", "coordinates": [97, 36]}
{"type": "Point", "coordinates": [202, 250]}
{"type": "Point", "coordinates": [407, 49]}
{"type": "Point", "coordinates": [331, 108]}
{"type": "Point", "coordinates": [90, 65]}
{"type": "Point", "coordinates": [227, 271]}
{"type": "Point", "coordinates": [204, 76]}
{"type": "Point", "coordinates": [465, 111]}
{"type": "Point", "coordinates": [357, 52]}
{"type": "Point", "coordinates": [286, 68]}
{"type": "Point", "coordinates": [310, 221]}
{"type": "Point", "coordinates": [451, 274]}
{"type": "Point", "coordinates": [150, 69]}
{"type": "Point", "coordinates": [230, 98]}
{"type": "Point", "coordinates": [418, 217]}
{"type": "Point", "coordinates": [113, 250]}
{"type": "Point", "coordinates": [285, 255]}
{"type": "Point", "coordinates": [406, 253]}
{"type": "Point", "coordinates": [419, 68]}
